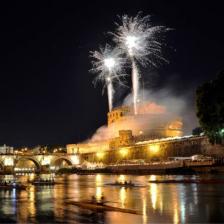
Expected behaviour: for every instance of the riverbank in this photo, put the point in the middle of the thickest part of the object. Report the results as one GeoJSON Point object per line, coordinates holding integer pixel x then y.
{"type": "Point", "coordinates": [144, 170]}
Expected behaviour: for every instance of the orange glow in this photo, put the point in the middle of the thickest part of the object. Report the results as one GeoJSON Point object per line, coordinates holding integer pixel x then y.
{"type": "Point", "coordinates": [154, 148]}
{"type": "Point", "coordinates": [123, 152]}
{"type": "Point", "coordinates": [100, 155]}
{"type": "Point", "coordinates": [75, 159]}
{"type": "Point", "coordinates": [151, 108]}
{"type": "Point", "coordinates": [122, 178]}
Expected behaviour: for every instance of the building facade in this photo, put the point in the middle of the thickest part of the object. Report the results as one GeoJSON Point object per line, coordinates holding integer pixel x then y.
{"type": "Point", "coordinates": [129, 132]}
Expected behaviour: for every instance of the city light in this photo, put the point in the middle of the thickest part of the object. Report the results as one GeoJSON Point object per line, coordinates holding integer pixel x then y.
{"type": "Point", "coordinates": [154, 148]}
{"type": "Point", "coordinates": [100, 155]}
{"type": "Point", "coordinates": [45, 161]}
{"type": "Point", "coordinates": [52, 168]}
{"type": "Point", "coordinates": [140, 132]}
{"type": "Point", "coordinates": [9, 161]}
{"type": "Point", "coordinates": [123, 152]}
{"type": "Point", "coordinates": [75, 159]}
{"type": "Point", "coordinates": [18, 169]}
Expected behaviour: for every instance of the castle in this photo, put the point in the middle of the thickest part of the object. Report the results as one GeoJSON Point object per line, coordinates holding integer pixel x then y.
{"type": "Point", "coordinates": [128, 130]}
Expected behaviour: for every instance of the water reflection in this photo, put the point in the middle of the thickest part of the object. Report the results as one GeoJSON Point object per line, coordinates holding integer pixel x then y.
{"type": "Point", "coordinates": [174, 203]}
{"type": "Point", "coordinates": [122, 196]}
{"type": "Point", "coordinates": [98, 193]}
{"type": "Point", "coordinates": [31, 197]}
{"type": "Point", "coordinates": [154, 195]}
{"type": "Point", "coordinates": [144, 211]}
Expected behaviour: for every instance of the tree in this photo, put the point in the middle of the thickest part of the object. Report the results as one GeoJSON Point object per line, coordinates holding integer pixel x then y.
{"type": "Point", "coordinates": [210, 108]}
{"type": "Point", "coordinates": [197, 131]}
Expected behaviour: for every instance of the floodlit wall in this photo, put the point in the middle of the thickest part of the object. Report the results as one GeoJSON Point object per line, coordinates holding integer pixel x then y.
{"type": "Point", "coordinates": [88, 147]}
{"type": "Point", "coordinates": [149, 151]}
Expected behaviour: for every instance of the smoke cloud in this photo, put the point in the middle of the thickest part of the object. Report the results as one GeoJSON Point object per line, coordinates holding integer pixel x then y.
{"type": "Point", "coordinates": [158, 107]}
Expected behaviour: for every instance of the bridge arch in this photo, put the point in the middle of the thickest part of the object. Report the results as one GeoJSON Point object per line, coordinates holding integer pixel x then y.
{"type": "Point", "coordinates": [60, 160]}
{"type": "Point", "coordinates": [23, 159]}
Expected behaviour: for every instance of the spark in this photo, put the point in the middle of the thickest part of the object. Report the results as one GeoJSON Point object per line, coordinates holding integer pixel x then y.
{"type": "Point", "coordinates": [108, 63]}
{"type": "Point", "coordinates": [131, 42]}
{"type": "Point", "coordinates": [140, 38]}
{"type": "Point", "coordinates": [141, 41]}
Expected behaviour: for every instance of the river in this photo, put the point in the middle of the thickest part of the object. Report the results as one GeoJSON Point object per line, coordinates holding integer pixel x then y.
{"type": "Point", "coordinates": [158, 203]}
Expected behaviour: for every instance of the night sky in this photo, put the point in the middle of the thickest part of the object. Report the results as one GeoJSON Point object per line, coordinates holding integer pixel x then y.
{"type": "Point", "coordinates": [46, 92]}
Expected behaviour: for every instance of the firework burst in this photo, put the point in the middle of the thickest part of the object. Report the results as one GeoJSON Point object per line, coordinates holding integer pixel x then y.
{"type": "Point", "coordinates": [108, 63]}
{"type": "Point", "coordinates": [142, 43]}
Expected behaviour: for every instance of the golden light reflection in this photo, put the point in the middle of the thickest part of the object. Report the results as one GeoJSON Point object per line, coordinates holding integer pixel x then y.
{"type": "Point", "coordinates": [123, 196]}
{"type": "Point", "coordinates": [154, 195]}
{"type": "Point", "coordinates": [161, 206]}
{"type": "Point", "coordinates": [152, 177]}
{"type": "Point", "coordinates": [59, 193]}
{"type": "Point", "coordinates": [23, 206]}
{"type": "Point", "coordinates": [175, 216]}
{"type": "Point", "coordinates": [144, 211]}
{"type": "Point", "coordinates": [31, 177]}
{"type": "Point", "coordinates": [98, 179]}
{"type": "Point", "coordinates": [23, 194]}
{"type": "Point", "coordinates": [98, 193]}
{"type": "Point", "coordinates": [32, 208]}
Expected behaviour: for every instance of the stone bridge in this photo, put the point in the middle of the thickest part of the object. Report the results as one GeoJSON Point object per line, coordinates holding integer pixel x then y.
{"type": "Point", "coordinates": [9, 163]}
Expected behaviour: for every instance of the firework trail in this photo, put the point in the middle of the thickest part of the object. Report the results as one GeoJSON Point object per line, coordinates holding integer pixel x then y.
{"type": "Point", "coordinates": [135, 84]}
{"type": "Point", "coordinates": [108, 63]}
{"type": "Point", "coordinates": [140, 40]}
